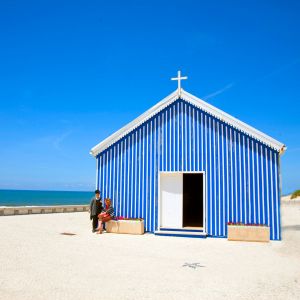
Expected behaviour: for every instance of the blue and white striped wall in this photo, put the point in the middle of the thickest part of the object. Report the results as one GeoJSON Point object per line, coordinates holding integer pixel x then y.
{"type": "Point", "coordinates": [242, 173]}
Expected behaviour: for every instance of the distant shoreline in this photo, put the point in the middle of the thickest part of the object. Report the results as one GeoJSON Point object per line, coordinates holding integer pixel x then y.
{"type": "Point", "coordinates": [42, 205]}
{"type": "Point", "coordinates": [32, 190]}
{"type": "Point", "coordinates": [13, 198]}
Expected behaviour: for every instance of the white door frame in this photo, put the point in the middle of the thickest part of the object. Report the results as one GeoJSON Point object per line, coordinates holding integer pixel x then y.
{"type": "Point", "coordinates": [204, 193]}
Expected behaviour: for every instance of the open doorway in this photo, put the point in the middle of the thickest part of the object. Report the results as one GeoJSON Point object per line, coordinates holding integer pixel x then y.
{"type": "Point", "coordinates": [192, 200]}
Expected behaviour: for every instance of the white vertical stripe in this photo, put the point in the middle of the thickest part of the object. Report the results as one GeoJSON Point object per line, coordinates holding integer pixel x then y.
{"type": "Point", "coordinates": [198, 141]}
{"type": "Point", "coordinates": [206, 167]}
{"type": "Point", "coordinates": [178, 136]}
{"type": "Point", "coordinates": [103, 174]}
{"type": "Point", "coordinates": [167, 138]}
{"type": "Point", "coordinates": [150, 185]}
{"type": "Point", "coordinates": [128, 176]}
{"type": "Point", "coordinates": [215, 150]}
{"type": "Point", "coordinates": [132, 199]}
{"type": "Point", "coordinates": [143, 174]}
{"type": "Point", "coordinates": [182, 137]}
{"type": "Point", "coordinates": [253, 183]}
{"type": "Point", "coordinates": [118, 174]}
{"type": "Point", "coordinates": [136, 176]}
{"type": "Point", "coordinates": [110, 171]}
{"type": "Point", "coordinates": [235, 177]}
{"type": "Point", "coordinates": [157, 170]}
{"type": "Point", "coordinates": [202, 146]}
{"type": "Point", "coordinates": [272, 194]}
{"type": "Point", "coordinates": [245, 183]}
{"type": "Point", "coordinates": [227, 172]}
{"type": "Point", "coordinates": [121, 199]}
{"type": "Point", "coordinates": [155, 175]}
{"type": "Point", "coordinates": [114, 177]}
{"type": "Point", "coordinates": [219, 177]}
{"type": "Point", "coordinates": [170, 139]}
{"type": "Point", "coordinates": [190, 139]}
{"type": "Point", "coordinates": [159, 142]}
{"type": "Point", "coordinates": [240, 177]}
{"type": "Point", "coordinates": [223, 180]}
{"type": "Point", "coordinates": [97, 170]}
{"type": "Point", "coordinates": [231, 172]}
{"type": "Point", "coordinates": [100, 173]}
{"type": "Point", "coordinates": [124, 200]}
{"type": "Point", "coordinates": [277, 196]}
{"type": "Point", "coordinates": [140, 173]}
{"type": "Point", "coordinates": [162, 142]}
{"type": "Point", "coordinates": [194, 139]}
{"type": "Point", "coordinates": [101, 182]}
{"type": "Point", "coordinates": [106, 175]}
{"type": "Point", "coordinates": [174, 139]}
{"type": "Point", "coordinates": [248, 163]}
{"type": "Point", "coordinates": [258, 189]}
{"type": "Point", "coordinates": [146, 175]}
{"type": "Point", "coordinates": [185, 136]}
{"type": "Point", "coordinates": [210, 172]}
{"type": "Point", "coordinates": [263, 184]}
{"type": "Point", "coordinates": [267, 186]}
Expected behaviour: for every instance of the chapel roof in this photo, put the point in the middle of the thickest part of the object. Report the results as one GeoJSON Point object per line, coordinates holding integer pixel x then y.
{"type": "Point", "coordinates": [197, 102]}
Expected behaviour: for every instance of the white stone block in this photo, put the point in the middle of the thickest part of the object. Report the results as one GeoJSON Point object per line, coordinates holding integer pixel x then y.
{"type": "Point", "coordinates": [36, 210]}
{"type": "Point", "coordinates": [9, 211]}
{"type": "Point", "coordinates": [21, 211]}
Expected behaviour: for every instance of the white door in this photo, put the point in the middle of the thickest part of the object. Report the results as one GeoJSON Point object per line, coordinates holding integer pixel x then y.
{"type": "Point", "coordinates": [171, 188]}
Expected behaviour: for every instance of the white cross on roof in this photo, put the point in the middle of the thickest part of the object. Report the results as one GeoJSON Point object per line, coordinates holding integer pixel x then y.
{"type": "Point", "coordinates": [179, 78]}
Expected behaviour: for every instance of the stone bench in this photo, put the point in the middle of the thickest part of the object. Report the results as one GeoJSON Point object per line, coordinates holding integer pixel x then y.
{"type": "Point", "coordinates": [125, 226]}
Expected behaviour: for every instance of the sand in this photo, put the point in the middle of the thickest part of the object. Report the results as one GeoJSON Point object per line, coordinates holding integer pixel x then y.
{"type": "Point", "coordinates": [37, 262]}
{"type": "Point", "coordinates": [287, 198]}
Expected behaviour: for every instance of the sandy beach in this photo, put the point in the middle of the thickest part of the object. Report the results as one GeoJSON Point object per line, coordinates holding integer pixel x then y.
{"type": "Point", "coordinates": [38, 262]}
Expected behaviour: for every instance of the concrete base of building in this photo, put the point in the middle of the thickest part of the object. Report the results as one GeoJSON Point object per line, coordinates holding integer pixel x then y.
{"type": "Point", "coordinates": [248, 233]}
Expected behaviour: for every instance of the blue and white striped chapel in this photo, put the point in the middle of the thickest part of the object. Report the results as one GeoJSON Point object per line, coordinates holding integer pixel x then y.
{"type": "Point", "coordinates": [186, 164]}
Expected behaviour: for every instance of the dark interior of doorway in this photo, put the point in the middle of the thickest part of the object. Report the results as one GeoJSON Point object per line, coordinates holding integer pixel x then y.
{"type": "Point", "coordinates": [192, 200]}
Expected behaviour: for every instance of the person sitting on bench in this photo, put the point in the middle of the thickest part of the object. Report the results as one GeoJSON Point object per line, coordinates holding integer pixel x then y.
{"type": "Point", "coordinates": [107, 215]}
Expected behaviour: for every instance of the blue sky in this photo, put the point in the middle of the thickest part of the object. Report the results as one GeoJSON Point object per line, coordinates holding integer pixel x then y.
{"type": "Point", "coordinates": [73, 72]}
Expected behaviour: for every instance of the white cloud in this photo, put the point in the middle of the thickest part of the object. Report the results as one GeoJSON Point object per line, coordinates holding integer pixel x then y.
{"type": "Point", "coordinates": [55, 141]}
{"type": "Point", "coordinates": [220, 91]}
{"type": "Point", "coordinates": [59, 140]}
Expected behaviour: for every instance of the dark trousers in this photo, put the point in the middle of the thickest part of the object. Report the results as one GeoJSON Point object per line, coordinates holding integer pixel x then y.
{"type": "Point", "coordinates": [95, 222]}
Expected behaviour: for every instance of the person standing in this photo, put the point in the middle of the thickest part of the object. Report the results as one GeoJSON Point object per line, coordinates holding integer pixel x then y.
{"type": "Point", "coordinates": [96, 208]}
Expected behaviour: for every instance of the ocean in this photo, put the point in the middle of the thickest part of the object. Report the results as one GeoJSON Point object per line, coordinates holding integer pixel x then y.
{"type": "Point", "coordinates": [28, 198]}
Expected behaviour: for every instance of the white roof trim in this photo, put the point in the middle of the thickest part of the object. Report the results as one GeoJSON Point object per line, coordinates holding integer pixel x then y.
{"type": "Point", "coordinates": [223, 116]}
{"type": "Point", "coordinates": [219, 114]}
